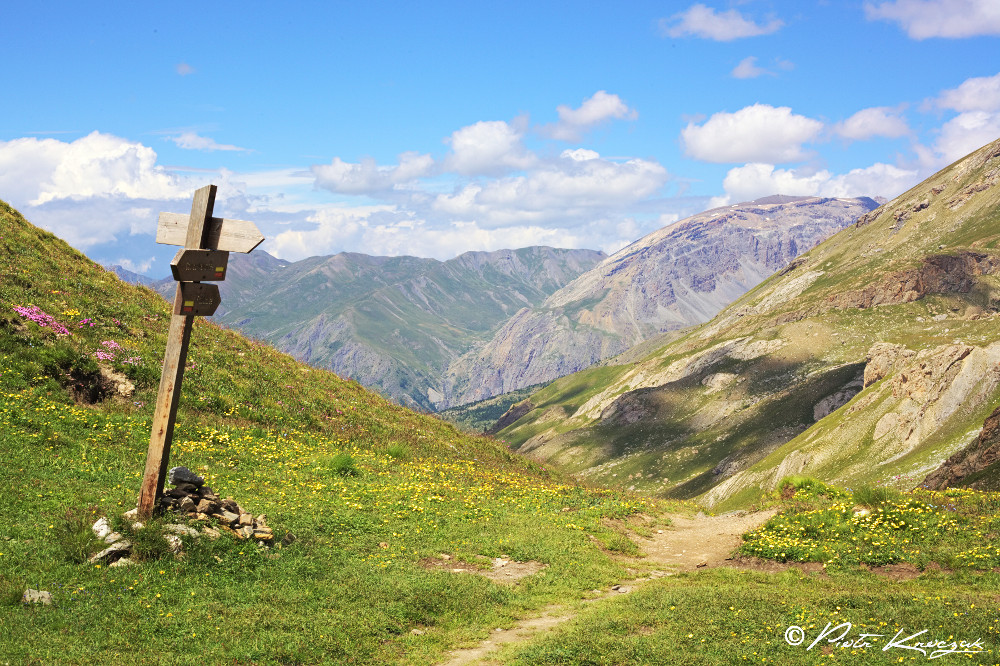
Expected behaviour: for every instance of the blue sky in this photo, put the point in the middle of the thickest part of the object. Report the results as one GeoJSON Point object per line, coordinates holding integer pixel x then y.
{"type": "Point", "coordinates": [436, 128]}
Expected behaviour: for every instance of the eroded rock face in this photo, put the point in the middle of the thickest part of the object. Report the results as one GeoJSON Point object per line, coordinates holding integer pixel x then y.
{"type": "Point", "coordinates": [984, 452]}
{"type": "Point", "coordinates": [511, 415]}
{"type": "Point", "coordinates": [933, 386]}
{"type": "Point", "coordinates": [881, 359]}
{"type": "Point", "coordinates": [940, 274]}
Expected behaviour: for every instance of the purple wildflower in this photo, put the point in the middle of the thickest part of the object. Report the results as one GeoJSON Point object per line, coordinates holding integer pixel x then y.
{"type": "Point", "coordinates": [42, 318]}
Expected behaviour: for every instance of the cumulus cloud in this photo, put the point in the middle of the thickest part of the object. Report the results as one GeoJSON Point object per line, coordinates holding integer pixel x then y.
{"type": "Point", "coordinates": [748, 69]}
{"type": "Point", "coordinates": [184, 69]}
{"type": "Point", "coordinates": [922, 19]}
{"type": "Point", "coordinates": [489, 147]}
{"type": "Point", "coordinates": [702, 21]}
{"type": "Point", "coordinates": [388, 230]}
{"type": "Point", "coordinates": [367, 177]}
{"type": "Point", "coordinates": [873, 122]}
{"type": "Point", "coordinates": [142, 266]}
{"type": "Point", "coordinates": [965, 133]}
{"type": "Point", "coordinates": [598, 108]}
{"type": "Point", "coordinates": [755, 180]}
{"type": "Point", "coordinates": [977, 101]}
{"type": "Point", "coordinates": [192, 141]}
{"type": "Point", "coordinates": [758, 133]}
{"type": "Point", "coordinates": [560, 193]}
{"type": "Point", "coordinates": [37, 171]}
{"type": "Point", "coordinates": [980, 93]}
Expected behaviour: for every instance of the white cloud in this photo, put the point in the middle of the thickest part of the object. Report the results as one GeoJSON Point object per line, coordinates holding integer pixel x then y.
{"type": "Point", "coordinates": [367, 177]}
{"type": "Point", "coordinates": [922, 19]}
{"type": "Point", "coordinates": [748, 69]}
{"type": "Point", "coordinates": [391, 232]}
{"type": "Point", "coordinates": [192, 141]}
{"type": "Point", "coordinates": [758, 133]}
{"type": "Point", "coordinates": [976, 94]}
{"type": "Point", "coordinates": [184, 69]}
{"type": "Point", "coordinates": [141, 267]}
{"type": "Point", "coordinates": [965, 133]}
{"type": "Point", "coordinates": [872, 122]}
{"type": "Point", "coordinates": [752, 181]}
{"type": "Point", "coordinates": [580, 154]}
{"type": "Point", "coordinates": [331, 229]}
{"type": "Point", "coordinates": [489, 147]}
{"type": "Point", "coordinates": [37, 171]}
{"type": "Point", "coordinates": [562, 193]}
{"type": "Point", "coordinates": [598, 108]}
{"type": "Point", "coordinates": [702, 21]}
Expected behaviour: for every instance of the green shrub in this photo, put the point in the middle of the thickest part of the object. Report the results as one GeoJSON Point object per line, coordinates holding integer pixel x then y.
{"type": "Point", "coordinates": [806, 487]}
{"type": "Point", "coordinates": [73, 536]}
{"type": "Point", "coordinates": [344, 465]}
{"type": "Point", "coordinates": [875, 496]}
{"type": "Point", "coordinates": [620, 543]}
{"type": "Point", "coordinates": [398, 451]}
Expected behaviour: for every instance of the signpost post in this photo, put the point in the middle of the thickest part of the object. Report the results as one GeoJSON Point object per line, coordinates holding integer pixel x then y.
{"type": "Point", "coordinates": [207, 242]}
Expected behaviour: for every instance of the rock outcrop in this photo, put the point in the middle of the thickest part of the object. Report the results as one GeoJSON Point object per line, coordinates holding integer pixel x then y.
{"type": "Point", "coordinates": [976, 459]}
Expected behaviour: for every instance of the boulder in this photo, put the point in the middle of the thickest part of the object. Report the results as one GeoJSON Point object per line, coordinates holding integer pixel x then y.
{"type": "Point", "coordinates": [37, 597]}
{"type": "Point", "coordinates": [178, 475]}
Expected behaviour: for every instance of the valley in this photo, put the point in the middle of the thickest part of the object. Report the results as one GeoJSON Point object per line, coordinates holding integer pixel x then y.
{"type": "Point", "coordinates": [869, 359]}
{"type": "Point", "coordinates": [395, 523]}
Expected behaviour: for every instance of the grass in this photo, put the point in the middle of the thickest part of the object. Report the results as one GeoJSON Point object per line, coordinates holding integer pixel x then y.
{"type": "Point", "coordinates": [368, 493]}
{"type": "Point", "coordinates": [727, 616]}
{"type": "Point", "coordinates": [955, 528]}
{"type": "Point", "coordinates": [368, 490]}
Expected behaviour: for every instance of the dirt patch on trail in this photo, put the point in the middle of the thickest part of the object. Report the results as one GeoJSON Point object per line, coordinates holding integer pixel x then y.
{"type": "Point", "coordinates": [499, 569]}
{"type": "Point", "coordinates": [688, 544]}
{"type": "Point", "coordinates": [701, 541]}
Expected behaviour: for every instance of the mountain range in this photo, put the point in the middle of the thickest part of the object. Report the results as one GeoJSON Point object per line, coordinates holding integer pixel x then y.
{"type": "Point", "coordinates": [870, 358]}
{"type": "Point", "coordinates": [434, 334]}
{"type": "Point", "coordinates": [678, 276]}
{"type": "Point", "coordinates": [391, 323]}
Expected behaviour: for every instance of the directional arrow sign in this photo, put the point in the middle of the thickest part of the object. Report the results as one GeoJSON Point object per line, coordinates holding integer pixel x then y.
{"type": "Point", "coordinates": [197, 299]}
{"type": "Point", "coordinates": [220, 233]}
{"type": "Point", "coordinates": [199, 265]}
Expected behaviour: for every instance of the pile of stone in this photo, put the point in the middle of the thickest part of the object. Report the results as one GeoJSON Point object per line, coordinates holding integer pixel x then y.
{"type": "Point", "coordinates": [192, 497]}
{"type": "Point", "coordinates": [189, 496]}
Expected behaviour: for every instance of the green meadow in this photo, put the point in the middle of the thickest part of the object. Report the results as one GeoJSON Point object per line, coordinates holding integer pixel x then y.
{"type": "Point", "coordinates": [384, 518]}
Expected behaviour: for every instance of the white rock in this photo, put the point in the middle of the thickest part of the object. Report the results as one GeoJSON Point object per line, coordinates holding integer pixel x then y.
{"type": "Point", "coordinates": [101, 528]}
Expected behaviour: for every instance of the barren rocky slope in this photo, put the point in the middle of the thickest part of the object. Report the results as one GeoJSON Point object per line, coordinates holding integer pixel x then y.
{"type": "Point", "coordinates": [678, 276]}
{"type": "Point", "coordinates": [872, 358]}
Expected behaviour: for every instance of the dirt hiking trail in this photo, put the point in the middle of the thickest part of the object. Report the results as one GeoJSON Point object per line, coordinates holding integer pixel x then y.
{"type": "Point", "coordinates": [687, 545]}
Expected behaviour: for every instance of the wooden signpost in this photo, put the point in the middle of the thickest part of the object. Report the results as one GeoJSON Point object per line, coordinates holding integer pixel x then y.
{"type": "Point", "coordinates": [207, 243]}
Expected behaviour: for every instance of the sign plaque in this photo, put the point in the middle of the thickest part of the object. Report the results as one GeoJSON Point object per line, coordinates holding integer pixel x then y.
{"type": "Point", "coordinates": [199, 265]}
{"type": "Point", "coordinates": [197, 299]}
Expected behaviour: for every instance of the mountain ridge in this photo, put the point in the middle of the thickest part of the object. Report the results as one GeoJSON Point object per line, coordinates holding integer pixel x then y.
{"type": "Point", "coordinates": [870, 359]}
{"type": "Point", "coordinates": [392, 323]}
{"type": "Point", "coordinates": [672, 278]}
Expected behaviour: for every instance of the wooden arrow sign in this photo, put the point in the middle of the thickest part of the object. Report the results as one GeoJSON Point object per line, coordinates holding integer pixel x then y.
{"type": "Point", "coordinates": [199, 265]}
{"type": "Point", "coordinates": [197, 299]}
{"type": "Point", "coordinates": [220, 233]}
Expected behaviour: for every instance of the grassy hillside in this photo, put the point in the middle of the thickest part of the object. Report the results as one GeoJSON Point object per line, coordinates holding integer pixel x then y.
{"type": "Point", "coordinates": [371, 492]}
{"type": "Point", "coordinates": [384, 506]}
{"type": "Point", "coordinates": [871, 358]}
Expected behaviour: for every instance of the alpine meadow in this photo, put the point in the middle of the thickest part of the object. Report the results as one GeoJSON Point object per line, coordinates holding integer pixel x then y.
{"type": "Point", "coordinates": [500, 334]}
{"type": "Point", "coordinates": [400, 539]}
